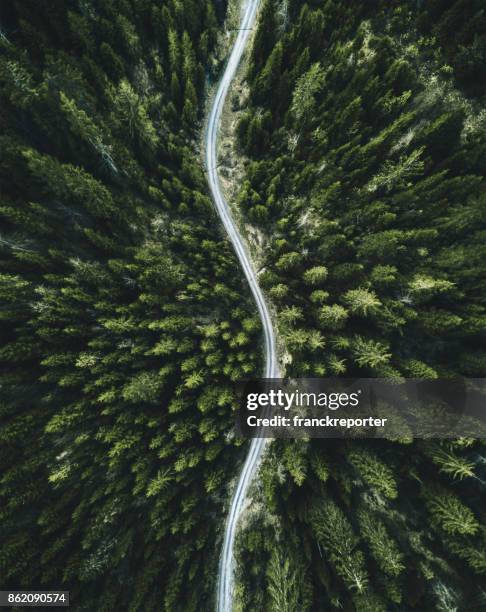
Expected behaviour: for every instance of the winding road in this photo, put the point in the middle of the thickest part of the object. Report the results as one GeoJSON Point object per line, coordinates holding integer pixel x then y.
{"type": "Point", "coordinates": [248, 471]}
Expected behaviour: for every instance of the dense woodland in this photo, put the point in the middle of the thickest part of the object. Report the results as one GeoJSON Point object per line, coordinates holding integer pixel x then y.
{"type": "Point", "coordinates": [125, 320]}
{"type": "Point", "coordinates": [364, 128]}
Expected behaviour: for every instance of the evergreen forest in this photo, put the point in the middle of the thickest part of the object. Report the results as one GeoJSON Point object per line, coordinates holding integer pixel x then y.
{"type": "Point", "coordinates": [126, 320]}
{"type": "Point", "coordinates": [364, 131]}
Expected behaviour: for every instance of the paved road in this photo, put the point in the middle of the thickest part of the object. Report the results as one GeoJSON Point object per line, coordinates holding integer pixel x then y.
{"type": "Point", "coordinates": [226, 567]}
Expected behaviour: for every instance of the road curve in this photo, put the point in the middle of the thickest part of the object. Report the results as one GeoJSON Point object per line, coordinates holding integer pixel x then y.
{"type": "Point", "coordinates": [226, 565]}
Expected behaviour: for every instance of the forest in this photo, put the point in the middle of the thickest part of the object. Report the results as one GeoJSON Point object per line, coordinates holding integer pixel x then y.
{"type": "Point", "coordinates": [364, 132]}
{"type": "Point", "coordinates": [126, 321]}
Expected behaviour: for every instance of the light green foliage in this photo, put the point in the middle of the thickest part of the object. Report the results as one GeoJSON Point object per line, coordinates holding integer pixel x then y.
{"type": "Point", "coordinates": [450, 463]}
{"type": "Point", "coordinates": [417, 369]}
{"type": "Point", "coordinates": [288, 261]}
{"type": "Point", "coordinates": [398, 174]}
{"type": "Point", "coordinates": [133, 113]}
{"type": "Point", "coordinates": [296, 462]}
{"type": "Point", "coordinates": [361, 301]}
{"type": "Point", "coordinates": [279, 291]}
{"type": "Point", "coordinates": [306, 88]}
{"type": "Point", "coordinates": [450, 514]}
{"type": "Point", "coordinates": [383, 548]}
{"type": "Point", "coordinates": [423, 288]}
{"type": "Point", "coordinates": [287, 583]}
{"type": "Point", "coordinates": [369, 602]}
{"type": "Point", "coordinates": [291, 315]}
{"type": "Point", "coordinates": [315, 276]}
{"type": "Point", "coordinates": [370, 354]}
{"type": "Point", "coordinates": [336, 535]}
{"type": "Point", "coordinates": [374, 472]}
{"type": "Point", "coordinates": [472, 549]}
{"type": "Point", "coordinates": [332, 317]}
{"type": "Point", "coordinates": [320, 465]}
{"type": "Point", "coordinates": [143, 387]}
{"type": "Point", "coordinates": [70, 183]}
{"type": "Point", "coordinates": [83, 127]}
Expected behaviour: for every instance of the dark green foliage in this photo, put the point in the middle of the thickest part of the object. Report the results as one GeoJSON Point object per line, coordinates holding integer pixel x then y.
{"type": "Point", "coordinates": [367, 544]}
{"type": "Point", "coordinates": [124, 324]}
{"type": "Point", "coordinates": [460, 29]}
{"type": "Point", "coordinates": [370, 173]}
{"type": "Point", "coordinates": [375, 173]}
{"type": "Point", "coordinates": [123, 320]}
